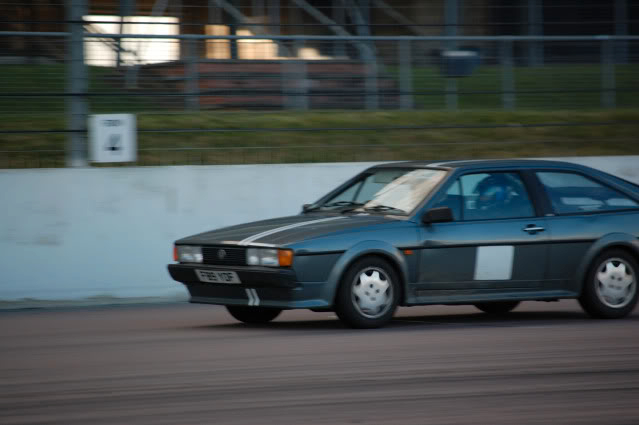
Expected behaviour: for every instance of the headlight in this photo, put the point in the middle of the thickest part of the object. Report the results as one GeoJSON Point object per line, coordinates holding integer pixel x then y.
{"type": "Point", "coordinates": [188, 254]}
{"type": "Point", "coordinates": [269, 257]}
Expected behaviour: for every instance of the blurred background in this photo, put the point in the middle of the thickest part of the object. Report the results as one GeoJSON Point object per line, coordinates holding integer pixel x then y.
{"type": "Point", "coordinates": [276, 81]}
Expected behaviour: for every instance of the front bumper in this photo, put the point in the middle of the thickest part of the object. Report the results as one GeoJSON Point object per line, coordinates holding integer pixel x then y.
{"type": "Point", "coordinates": [261, 286]}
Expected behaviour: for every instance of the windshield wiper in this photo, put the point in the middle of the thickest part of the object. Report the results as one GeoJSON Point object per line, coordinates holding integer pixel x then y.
{"type": "Point", "coordinates": [343, 204]}
{"type": "Point", "coordinates": [382, 208]}
{"type": "Point", "coordinates": [352, 204]}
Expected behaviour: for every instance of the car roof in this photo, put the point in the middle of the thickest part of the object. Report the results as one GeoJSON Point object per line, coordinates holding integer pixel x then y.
{"type": "Point", "coordinates": [481, 163]}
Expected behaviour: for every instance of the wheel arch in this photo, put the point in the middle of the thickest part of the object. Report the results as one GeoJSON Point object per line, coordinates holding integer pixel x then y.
{"type": "Point", "coordinates": [621, 241]}
{"type": "Point", "coordinates": [364, 249]}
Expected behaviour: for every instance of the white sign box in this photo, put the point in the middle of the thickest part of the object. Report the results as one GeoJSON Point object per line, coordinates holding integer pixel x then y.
{"type": "Point", "coordinates": [112, 138]}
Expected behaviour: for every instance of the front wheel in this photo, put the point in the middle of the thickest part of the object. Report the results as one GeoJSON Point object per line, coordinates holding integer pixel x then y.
{"type": "Point", "coordinates": [368, 294]}
{"type": "Point", "coordinates": [610, 289]}
{"type": "Point", "coordinates": [253, 315]}
{"type": "Point", "coordinates": [498, 308]}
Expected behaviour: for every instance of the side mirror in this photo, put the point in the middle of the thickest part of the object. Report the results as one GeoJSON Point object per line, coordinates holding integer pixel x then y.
{"type": "Point", "coordinates": [438, 215]}
{"type": "Point", "coordinates": [306, 207]}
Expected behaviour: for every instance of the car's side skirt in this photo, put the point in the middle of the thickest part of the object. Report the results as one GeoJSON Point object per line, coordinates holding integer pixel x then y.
{"type": "Point", "coordinates": [426, 297]}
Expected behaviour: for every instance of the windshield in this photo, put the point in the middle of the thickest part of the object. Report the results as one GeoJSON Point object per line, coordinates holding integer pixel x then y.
{"type": "Point", "coordinates": [395, 191]}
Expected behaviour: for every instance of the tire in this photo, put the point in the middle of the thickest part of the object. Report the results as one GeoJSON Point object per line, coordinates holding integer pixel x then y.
{"type": "Point", "coordinates": [497, 308]}
{"type": "Point", "coordinates": [368, 294]}
{"type": "Point", "coordinates": [610, 289]}
{"type": "Point", "coordinates": [253, 315]}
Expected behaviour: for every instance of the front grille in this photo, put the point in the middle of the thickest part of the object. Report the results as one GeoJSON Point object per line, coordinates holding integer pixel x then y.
{"type": "Point", "coordinates": [232, 256]}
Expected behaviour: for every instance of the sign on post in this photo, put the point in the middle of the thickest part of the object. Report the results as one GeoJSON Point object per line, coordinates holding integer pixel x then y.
{"type": "Point", "coordinates": [112, 138]}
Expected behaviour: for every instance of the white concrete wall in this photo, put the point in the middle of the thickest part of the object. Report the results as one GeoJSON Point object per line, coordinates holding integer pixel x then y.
{"type": "Point", "coordinates": [96, 232]}
{"type": "Point", "coordinates": [69, 234]}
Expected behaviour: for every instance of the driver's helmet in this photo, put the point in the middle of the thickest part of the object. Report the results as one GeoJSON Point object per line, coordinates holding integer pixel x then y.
{"type": "Point", "coordinates": [494, 191]}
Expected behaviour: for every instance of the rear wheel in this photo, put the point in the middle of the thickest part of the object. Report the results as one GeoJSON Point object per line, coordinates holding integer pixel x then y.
{"type": "Point", "coordinates": [368, 294]}
{"type": "Point", "coordinates": [253, 314]}
{"type": "Point", "coordinates": [497, 307]}
{"type": "Point", "coordinates": [610, 289]}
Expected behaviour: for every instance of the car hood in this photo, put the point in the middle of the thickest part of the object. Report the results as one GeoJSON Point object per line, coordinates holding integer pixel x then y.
{"type": "Point", "coordinates": [284, 230]}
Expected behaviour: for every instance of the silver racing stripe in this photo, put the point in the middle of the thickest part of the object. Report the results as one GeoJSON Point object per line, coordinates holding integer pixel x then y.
{"type": "Point", "coordinates": [283, 228]}
{"type": "Point", "coordinates": [265, 245]}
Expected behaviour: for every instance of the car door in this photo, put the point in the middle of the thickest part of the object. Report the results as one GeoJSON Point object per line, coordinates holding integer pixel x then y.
{"type": "Point", "coordinates": [495, 246]}
{"type": "Point", "coordinates": [580, 211]}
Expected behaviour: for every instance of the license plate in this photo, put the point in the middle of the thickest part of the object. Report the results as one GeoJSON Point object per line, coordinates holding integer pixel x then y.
{"type": "Point", "coordinates": [215, 276]}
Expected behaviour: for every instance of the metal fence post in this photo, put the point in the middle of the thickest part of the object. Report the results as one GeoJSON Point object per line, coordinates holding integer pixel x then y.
{"type": "Point", "coordinates": [371, 88]}
{"type": "Point", "coordinates": [451, 93]}
{"type": "Point", "coordinates": [507, 77]}
{"type": "Point", "coordinates": [339, 16]}
{"type": "Point", "coordinates": [274, 20]}
{"type": "Point", "coordinates": [257, 7]}
{"type": "Point", "coordinates": [274, 16]}
{"type": "Point", "coordinates": [284, 87]}
{"type": "Point", "coordinates": [451, 19]}
{"type": "Point", "coordinates": [192, 86]}
{"type": "Point", "coordinates": [304, 100]}
{"type": "Point", "coordinates": [621, 29]}
{"type": "Point", "coordinates": [535, 28]}
{"type": "Point", "coordinates": [372, 92]}
{"type": "Point", "coordinates": [405, 75]}
{"type": "Point", "coordinates": [288, 81]}
{"type": "Point", "coordinates": [77, 86]}
{"type": "Point", "coordinates": [301, 80]}
{"type": "Point", "coordinates": [608, 84]}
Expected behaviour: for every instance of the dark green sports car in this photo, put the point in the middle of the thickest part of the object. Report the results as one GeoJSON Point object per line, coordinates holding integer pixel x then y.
{"type": "Point", "coordinates": [487, 233]}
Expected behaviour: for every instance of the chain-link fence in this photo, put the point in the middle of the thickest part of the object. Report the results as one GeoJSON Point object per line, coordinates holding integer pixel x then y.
{"type": "Point", "coordinates": [301, 72]}
{"type": "Point", "coordinates": [179, 75]}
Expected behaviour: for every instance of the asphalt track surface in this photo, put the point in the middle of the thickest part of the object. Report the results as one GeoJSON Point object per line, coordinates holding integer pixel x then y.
{"type": "Point", "coordinates": [193, 364]}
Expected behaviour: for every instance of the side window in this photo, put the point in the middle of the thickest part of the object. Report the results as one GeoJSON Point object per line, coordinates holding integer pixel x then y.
{"type": "Point", "coordinates": [572, 193]}
{"type": "Point", "coordinates": [453, 200]}
{"type": "Point", "coordinates": [494, 196]}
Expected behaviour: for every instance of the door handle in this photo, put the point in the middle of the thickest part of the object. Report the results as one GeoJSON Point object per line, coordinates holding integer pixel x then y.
{"type": "Point", "coordinates": [532, 229]}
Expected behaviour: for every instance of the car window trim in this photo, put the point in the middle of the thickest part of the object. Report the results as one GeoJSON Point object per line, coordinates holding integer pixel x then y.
{"type": "Point", "coordinates": [625, 210]}
{"type": "Point", "coordinates": [543, 205]}
{"type": "Point", "coordinates": [461, 198]}
{"type": "Point", "coordinates": [552, 211]}
{"type": "Point", "coordinates": [360, 185]}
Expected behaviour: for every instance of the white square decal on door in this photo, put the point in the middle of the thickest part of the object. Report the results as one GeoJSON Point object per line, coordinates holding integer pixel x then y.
{"type": "Point", "coordinates": [494, 262]}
